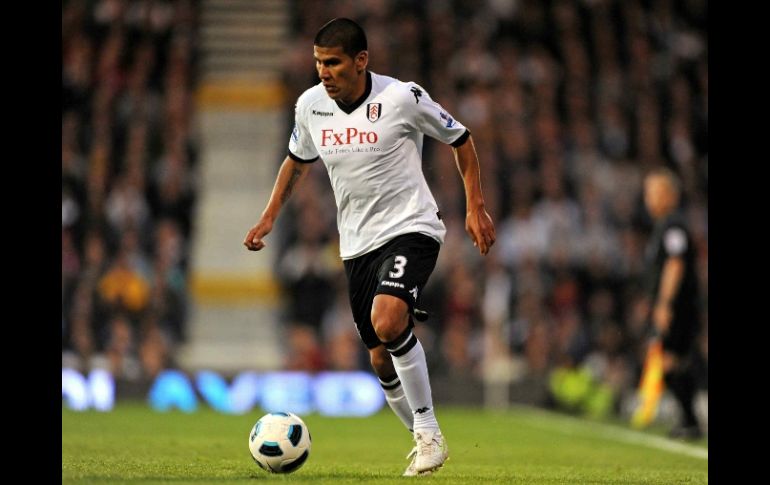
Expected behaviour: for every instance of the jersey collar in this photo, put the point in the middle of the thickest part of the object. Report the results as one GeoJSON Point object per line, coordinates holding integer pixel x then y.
{"type": "Point", "coordinates": [349, 108]}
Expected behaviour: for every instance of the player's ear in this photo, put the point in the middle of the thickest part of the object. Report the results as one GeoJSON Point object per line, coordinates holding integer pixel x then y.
{"type": "Point", "coordinates": [362, 60]}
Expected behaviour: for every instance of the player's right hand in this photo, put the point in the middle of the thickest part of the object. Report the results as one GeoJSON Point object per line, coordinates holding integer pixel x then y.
{"type": "Point", "coordinates": [479, 225]}
{"type": "Point", "coordinates": [253, 240]}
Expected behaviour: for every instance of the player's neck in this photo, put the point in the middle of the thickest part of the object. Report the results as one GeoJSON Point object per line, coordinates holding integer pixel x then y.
{"type": "Point", "coordinates": [358, 91]}
{"type": "Point", "coordinates": [665, 215]}
{"type": "Point", "coordinates": [363, 88]}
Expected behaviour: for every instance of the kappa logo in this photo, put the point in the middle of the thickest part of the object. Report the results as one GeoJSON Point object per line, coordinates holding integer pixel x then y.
{"type": "Point", "coordinates": [413, 291]}
{"type": "Point", "coordinates": [373, 111]}
{"type": "Point", "coordinates": [394, 284]}
{"type": "Point", "coordinates": [417, 93]}
{"type": "Point", "coordinates": [323, 113]}
{"type": "Point", "coordinates": [422, 410]}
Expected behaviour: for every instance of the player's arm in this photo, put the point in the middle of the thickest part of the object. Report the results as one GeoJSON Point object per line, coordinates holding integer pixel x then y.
{"type": "Point", "coordinates": [289, 176]}
{"type": "Point", "coordinates": [670, 279]}
{"type": "Point", "coordinates": [478, 223]}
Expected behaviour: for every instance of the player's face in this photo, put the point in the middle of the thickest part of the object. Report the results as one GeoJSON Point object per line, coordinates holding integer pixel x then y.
{"type": "Point", "coordinates": [342, 75]}
{"type": "Point", "coordinates": [658, 196]}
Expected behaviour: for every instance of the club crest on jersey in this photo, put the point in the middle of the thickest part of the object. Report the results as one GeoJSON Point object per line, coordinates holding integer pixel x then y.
{"type": "Point", "coordinates": [373, 111]}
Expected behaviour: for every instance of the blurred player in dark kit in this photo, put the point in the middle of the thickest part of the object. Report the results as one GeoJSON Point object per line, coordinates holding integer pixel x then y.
{"type": "Point", "coordinates": [675, 313]}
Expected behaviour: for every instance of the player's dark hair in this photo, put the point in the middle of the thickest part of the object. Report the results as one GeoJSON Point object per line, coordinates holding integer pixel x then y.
{"type": "Point", "coordinates": [342, 32]}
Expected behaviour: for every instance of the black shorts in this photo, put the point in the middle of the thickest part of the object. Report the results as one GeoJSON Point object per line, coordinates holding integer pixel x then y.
{"type": "Point", "coordinates": [399, 268]}
{"type": "Point", "coordinates": [683, 331]}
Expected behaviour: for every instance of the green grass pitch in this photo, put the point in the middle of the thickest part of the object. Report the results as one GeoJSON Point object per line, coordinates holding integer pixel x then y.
{"type": "Point", "coordinates": [133, 444]}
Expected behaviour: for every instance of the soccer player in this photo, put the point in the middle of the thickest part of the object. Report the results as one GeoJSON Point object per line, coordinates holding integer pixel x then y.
{"type": "Point", "coordinates": [674, 293]}
{"type": "Point", "coordinates": [368, 129]}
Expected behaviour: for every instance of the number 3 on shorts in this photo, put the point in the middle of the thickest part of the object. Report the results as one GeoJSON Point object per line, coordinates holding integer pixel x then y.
{"type": "Point", "coordinates": [399, 267]}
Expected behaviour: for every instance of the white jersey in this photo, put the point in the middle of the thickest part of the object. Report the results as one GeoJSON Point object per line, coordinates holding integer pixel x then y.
{"type": "Point", "coordinates": [373, 153]}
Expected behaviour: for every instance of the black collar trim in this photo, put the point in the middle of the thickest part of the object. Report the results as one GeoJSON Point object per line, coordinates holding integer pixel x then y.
{"type": "Point", "coordinates": [349, 108]}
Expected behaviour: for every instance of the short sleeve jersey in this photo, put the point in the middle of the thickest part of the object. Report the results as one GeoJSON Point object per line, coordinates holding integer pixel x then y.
{"type": "Point", "coordinates": [372, 151]}
{"type": "Point", "coordinates": [671, 238]}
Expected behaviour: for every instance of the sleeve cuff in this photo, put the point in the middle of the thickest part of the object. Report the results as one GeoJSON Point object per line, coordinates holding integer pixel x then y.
{"type": "Point", "coordinates": [463, 138]}
{"type": "Point", "coordinates": [301, 160]}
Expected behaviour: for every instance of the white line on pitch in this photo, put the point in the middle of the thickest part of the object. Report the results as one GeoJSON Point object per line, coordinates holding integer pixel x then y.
{"type": "Point", "coordinates": [618, 434]}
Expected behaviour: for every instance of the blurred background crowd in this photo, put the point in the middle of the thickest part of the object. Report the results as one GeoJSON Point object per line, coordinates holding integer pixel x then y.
{"type": "Point", "coordinates": [128, 181]}
{"type": "Point", "coordinates": [570, 102]}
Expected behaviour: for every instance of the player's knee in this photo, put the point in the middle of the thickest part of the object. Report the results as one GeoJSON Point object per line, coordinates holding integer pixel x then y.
{"type": "Point", "coordinates": [389, 317]}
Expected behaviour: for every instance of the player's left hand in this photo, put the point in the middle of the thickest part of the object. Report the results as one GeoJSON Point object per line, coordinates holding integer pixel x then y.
{"type": "Point", "coordinates": [480, 227]}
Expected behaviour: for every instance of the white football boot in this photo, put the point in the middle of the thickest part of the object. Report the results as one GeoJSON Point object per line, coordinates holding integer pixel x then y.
{"type": "Point", "coordinates": [432, 452]}
{"type": "Point", "coordinates": [410, 470]}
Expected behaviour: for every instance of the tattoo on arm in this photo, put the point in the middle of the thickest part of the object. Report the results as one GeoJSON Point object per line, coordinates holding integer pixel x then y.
{"type": "Point", "coordinates": [290, 185]}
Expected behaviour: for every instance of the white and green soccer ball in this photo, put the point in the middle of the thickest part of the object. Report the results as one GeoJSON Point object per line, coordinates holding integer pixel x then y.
{"type": "Point", "coordinates": [280, 442]}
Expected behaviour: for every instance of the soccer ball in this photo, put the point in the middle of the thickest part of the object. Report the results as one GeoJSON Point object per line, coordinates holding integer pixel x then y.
{"type": "Point", "coordinates": [279, 442]}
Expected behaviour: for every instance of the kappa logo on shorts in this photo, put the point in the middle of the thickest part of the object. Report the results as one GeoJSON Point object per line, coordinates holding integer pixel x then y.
{"type": "Point", "coordinates": [413, 291]}
{"type": "Point", "coordinates": [392, 283]}
{"type": "Point", "coordinates": [373, 111]}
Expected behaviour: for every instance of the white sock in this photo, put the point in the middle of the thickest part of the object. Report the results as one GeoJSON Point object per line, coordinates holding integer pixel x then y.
{"type": "Point", "coordinates": [409, 361]}
{"type": "Point", "coordinates": [394, 394]}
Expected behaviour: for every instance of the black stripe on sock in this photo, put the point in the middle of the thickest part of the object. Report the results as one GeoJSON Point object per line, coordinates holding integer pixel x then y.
{"type": "Point", "coordinates": [406, 348]}
{"type": "Point", "coordinates": [387, 379]}
{"type": "Point", "coordinates": [389, 387]}
{"type": "Point", "coordinates": [390, 382]}
{"type": "Point", "coordinates": [393, 344]}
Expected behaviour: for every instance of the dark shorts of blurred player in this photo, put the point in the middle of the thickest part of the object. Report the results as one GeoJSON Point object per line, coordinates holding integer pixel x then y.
{"type": "Point", "coordinates": [680, 339]}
